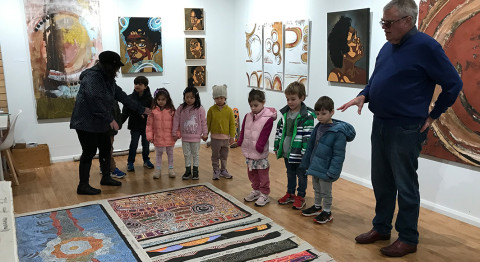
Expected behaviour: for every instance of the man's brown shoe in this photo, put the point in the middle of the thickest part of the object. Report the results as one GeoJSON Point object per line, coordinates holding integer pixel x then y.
{"type": "Point", "coordinates": [371, 236]}
{"type": "Point", "coordinates": [398, 249]}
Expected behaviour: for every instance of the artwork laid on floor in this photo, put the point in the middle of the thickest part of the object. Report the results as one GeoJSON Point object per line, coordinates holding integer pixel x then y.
{"type": "Point", "coordinates": [84, 233]}
{"type": "Point", "coordinates": [194, 19]}
{"type": "Point", "coordinates": [254, 55]}
{"type": "Point", "coordinates": [348, 46]}
{"type": "Point", "coordinates": [195, 48]}
{"type": "Point", "coordinates": [193, 223]}
{"type": "Point", "coordinates": [297, 37]}
{"type": "Point", "coordinates": [273, 56]}
{"type": "Point", "coordinates": [173, 211]}
{"type": "Point", "coordinates": [141, 44]}
{"type": "Point", "coordinates": [456, 133]}
{"type": "Point", "coordinates": [64, 38]}
{"type": "Point", "coordinates": [197, 75]}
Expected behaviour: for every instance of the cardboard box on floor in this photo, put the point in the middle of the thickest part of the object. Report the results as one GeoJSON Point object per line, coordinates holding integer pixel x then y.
{"type": "Point", "coordinates": [31, 157]}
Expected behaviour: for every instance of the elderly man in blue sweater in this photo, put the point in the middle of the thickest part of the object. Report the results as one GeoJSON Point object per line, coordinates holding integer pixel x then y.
{"type": "Point", "coordinates": [399, 93]}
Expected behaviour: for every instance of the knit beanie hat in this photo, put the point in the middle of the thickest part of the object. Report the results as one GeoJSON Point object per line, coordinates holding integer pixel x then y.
{"type": "Point", "coordinates": [219, 91]}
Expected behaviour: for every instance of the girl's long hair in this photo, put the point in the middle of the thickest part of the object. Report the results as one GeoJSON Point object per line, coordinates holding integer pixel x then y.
{"type": "Point", "coordinates": [195, 93]}
{"type": "Point", "coordinates": [163, 92]}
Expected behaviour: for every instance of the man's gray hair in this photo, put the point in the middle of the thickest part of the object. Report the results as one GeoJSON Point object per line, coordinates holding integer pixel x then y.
{"type": "Point", "coordinates": [405, 8]}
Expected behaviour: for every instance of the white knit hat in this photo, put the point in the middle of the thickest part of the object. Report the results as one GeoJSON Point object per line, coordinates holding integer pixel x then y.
{"type": "Point", "coordinates": [219, 91]}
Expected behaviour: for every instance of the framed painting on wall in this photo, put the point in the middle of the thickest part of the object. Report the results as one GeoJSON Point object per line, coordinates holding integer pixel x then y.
{"type": "Point", "coordinates": [254, 55]}
{"type": "Point", "coordinates": [194, 19]}
{"type": "Point", "coordinates": [348, 46]}
{"type": "Point", "coordinates": [456, 133]}
{"type": "Point", "coordinates": [195, 48]}
{"type": "Point", "coordinates": [297, 43]}
{"type": "Point", "coordinates": [273, 56]}
{"type": "Point", "coordinates": [141, 44]}
{"type": "Point", "coordinates": [64, 39]}
{"type": "Point", "coordinates": [197, 75]}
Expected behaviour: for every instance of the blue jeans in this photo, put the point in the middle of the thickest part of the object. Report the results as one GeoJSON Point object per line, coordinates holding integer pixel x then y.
{"type": "Point", "coordinates": [395, 151]}
{"type": "Point", "coordinates": [132, 151]}
{"type": "Point", "coordinates": [293, 172]}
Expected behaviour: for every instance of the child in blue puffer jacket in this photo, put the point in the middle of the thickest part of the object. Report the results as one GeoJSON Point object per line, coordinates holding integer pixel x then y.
{"type": "Point", "coordinates": [324, 157]}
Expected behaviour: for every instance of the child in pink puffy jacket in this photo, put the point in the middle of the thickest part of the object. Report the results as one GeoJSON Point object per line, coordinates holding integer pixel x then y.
{"type": "Point", "coordinates": [159, 129]}
{"type": "Point", "coordinates": [256, 128]}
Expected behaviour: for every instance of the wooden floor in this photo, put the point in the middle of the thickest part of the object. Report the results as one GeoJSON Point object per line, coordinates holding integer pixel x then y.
{"type": "Point", "coordinates": [441, 238]}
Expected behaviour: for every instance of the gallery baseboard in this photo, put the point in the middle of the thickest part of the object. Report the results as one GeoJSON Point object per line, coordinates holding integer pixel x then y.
{"type": "Point", "coordinates": [475, 221]}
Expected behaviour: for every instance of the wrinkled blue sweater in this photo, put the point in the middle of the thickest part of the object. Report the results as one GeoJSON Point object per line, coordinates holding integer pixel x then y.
{"type": "Point", "coordinates": [403, 81]}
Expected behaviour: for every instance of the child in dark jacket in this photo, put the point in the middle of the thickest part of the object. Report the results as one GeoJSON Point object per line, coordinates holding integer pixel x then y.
{"type": "Point", "coordinates": [324, 157]}
{"type": "Point", "coordinates": [137, 123]}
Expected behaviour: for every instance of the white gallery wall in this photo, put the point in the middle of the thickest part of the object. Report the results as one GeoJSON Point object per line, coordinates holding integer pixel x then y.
{"type": "Point", "coordinates": [446, 187]}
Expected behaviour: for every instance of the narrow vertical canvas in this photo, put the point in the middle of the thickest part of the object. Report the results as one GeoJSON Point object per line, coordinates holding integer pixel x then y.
{"type": "Point", "coordinates": [348, 46]}
{"type": "Point", "coordinates": [297, 37]}
{"type": "Point", "coordinates": [254, 55]}
{"type": "Point", "coordinates": [64, 39]}
{"type": "Point", "coordinates": [141, 44]}
{"type": "Point", "coordinates": [273, 57]}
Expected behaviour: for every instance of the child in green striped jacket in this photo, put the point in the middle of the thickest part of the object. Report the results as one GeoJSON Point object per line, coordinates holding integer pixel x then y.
{"type": "Point", "coordinates": [293, 131]}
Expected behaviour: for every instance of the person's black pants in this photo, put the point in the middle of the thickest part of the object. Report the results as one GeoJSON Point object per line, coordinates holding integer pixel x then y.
{"type": "Point", "coordinates": [90, 142]}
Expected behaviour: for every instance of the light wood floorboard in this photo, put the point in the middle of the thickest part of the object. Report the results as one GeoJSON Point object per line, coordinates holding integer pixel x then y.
{"type": "Point", "coordinates": [441, 238]}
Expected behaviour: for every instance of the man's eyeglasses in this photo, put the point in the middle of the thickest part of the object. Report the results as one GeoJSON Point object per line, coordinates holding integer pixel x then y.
{"type": "Point", "coordinates": [389, 23]}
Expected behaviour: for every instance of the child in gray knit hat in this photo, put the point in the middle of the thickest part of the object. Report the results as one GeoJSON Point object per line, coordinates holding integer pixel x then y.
{"type": "Point", "coordinates": [221, 126]}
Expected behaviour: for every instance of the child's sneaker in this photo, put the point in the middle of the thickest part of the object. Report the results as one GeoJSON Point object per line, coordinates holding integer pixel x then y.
{"type": "Point", "coordinates": [224, 173]}
{"type": "Point", "coordinates": [117, 173]}
{"type": "Point", "coordinates": [171, 173]}
{"type": "Point", "coordinates": [312, 211]}
{"type": "Point", "coordinates": [262, 200]}
{"type": "Point", "coordinates": [216, 175]}
{"type": "Point", "coordinates": [148, 164]}
{"type": "Point", "coordinates": [157, 173]}
{"type": "Point", "coordinates": [287, 198]}
{"type": "Point", "coordinates": [299, 202]}
{"type": "Point", "coordinates": [130, 167]}
{"type": "Point", "coordinates": [254, 195]}
{"type": "Point", "coordinates": [324, 217]}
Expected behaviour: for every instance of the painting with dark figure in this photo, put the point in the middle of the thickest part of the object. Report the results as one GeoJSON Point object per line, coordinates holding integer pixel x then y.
{"type": "Point", "coordinates": [141, 44]}
{"type": "Point", "coordinates": [194, 19]}
{"type": "Point", "coordinates": [64, 39]}
{"type": "Point", "coordinates": [195, 48]}
{"type": "Point", "coordinates": [196, 76]}
{"type": "Point", "coordinates": [456, 135]}
{"type": "Point", "coordinates": [348, 46]}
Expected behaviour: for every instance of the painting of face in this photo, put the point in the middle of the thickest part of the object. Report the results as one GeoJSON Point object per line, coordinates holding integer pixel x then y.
{"type": "Point", "coordinates": [64, 39]}
{"type": "Point", "coordinates": [141, 44]}
{"type": "Point", "coordinates": [196, 76]}
{"type": "Point", "coordinates": [348, 41]}
{"type": "Point", "coordinates": [195, 48]}
{"type": "Point", "coordinates": [456, 133]}
{"type": "Point", "coordinates": [194, 19]}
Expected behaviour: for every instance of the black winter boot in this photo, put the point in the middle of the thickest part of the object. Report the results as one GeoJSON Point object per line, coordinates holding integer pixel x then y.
{"type": "Point", "coordinates": [195, 173]}
{"type": "Point", "coordinates": [188, 173]}
{"type": "Point", "coordinates": [108, 181]}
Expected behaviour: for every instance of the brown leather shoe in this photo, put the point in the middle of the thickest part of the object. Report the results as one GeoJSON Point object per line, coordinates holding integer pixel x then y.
{"type": "Point", "coordinates": [371, 236]}
{"type": "Point", "coordinates": [398, 249]}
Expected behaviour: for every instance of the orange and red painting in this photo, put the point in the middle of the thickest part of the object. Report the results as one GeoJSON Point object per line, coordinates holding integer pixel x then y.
{"type": "Point", "coordinates": [64, 39]}
{"type": "Point", "coordinates": [454, 24]}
